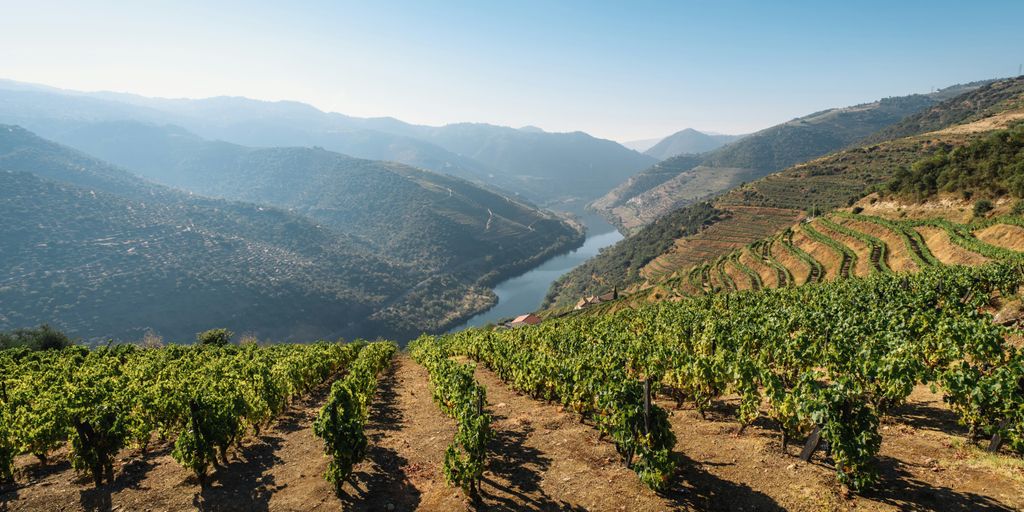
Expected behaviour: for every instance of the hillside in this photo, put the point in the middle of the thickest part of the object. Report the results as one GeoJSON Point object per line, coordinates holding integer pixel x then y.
{"type": "Point", "coordinates": [688, 141]}
{"type": "Point", "coordinates": [760, 154]}
{"type": "Point", "coordinates": [432, 222]}
{"type": "Point", "coordinates": [300, 278]}
{"type": "Point", "coordinates": [825, 183]}
{"type": "Point", "coordinates": [534, 164]}
{"type": "Point", "coordinates": [101, 259]}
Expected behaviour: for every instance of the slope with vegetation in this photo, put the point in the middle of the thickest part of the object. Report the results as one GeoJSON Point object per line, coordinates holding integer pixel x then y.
{"type": "Point", "coordinates": [599, 400]}
{"type": "Point", "coordinates": [432, 222]}
{"type": "Point", "coordinates": [105, 243]}
{"type": "Point", "coordinates": [831, 358]}
{"type": "Point", "coordinates": [834, 181]}
{"type": "Point", "coordinates": [114, 266]}
{"type": "Point", "coordinates": [759, 154]}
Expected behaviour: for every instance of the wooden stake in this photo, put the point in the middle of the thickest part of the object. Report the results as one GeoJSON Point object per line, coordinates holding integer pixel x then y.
{"type": "Point", "coordinates": [813, 442]}
{"type": "Point", "coordinates": [997, 438]}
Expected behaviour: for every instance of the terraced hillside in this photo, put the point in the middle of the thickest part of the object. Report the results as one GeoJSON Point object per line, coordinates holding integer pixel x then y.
{"type": "Point", "coordinates": [842, 244]}
{"type": "Point", "coordinates": [743, 226]}
{"type": "Point", "coordinates": [820, 185]}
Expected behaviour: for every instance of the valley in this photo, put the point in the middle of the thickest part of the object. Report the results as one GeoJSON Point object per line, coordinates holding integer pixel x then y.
{"type": "Point", "coordinates": [525, 293]}
{"type": "Point", "coordinates": [530, 256]}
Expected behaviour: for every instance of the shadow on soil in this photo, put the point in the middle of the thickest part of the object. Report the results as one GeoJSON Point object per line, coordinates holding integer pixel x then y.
{"type": "Point", "coordinates": [924, 417]}
{"type": "Point", "coordinates": [385, 482]}
{"type": "Point", "coordinates": [900, 489]}
{"type": "Point", "coordinates": [698, 489]}
{"type": "Point", "coordinates": [246, 483]}
{"type": "Point", "coordinates": [8, 494]}
{"type": "Point", "coordinates": [516, 470]}
{"type": "Point", "coordinates": [130, 476]}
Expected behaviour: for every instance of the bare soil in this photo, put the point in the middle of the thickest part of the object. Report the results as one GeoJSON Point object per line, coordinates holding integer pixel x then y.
{"type": "Point", "coordinates": [769, 278]}
{"type": "Point", "coordinates": [861, 249]}
{"type": "Point", "coordinates": [897, 253]}
{"type": "Point", "coordinates": [1003, 235]}
{"type": "Point", "coordinates": [742, 280]}
{"type": "Point", "coordinates": [945, 250]}
{"type": "Point", "coordinates": [800, 270]}
{"type": "Point", "coordinates": [827, 256]}
{"type": "Point", "coordinates": [925, 463]}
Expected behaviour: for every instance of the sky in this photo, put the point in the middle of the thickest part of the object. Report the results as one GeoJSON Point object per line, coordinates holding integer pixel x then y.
{"type": "Point", "coordinates": [621, 70]}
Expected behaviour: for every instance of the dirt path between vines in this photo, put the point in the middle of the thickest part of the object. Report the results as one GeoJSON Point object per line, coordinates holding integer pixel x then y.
{"type": "Point", "coordinates": [545, 459]}
{"type": "Point", "coordinates": [284, 464]}
{"type": "Point", "coordinates": [408, 435]}
{"type": "Point", "coordinates": [282, 469]}
{"type": "Point", "coordinates": [925, 463]}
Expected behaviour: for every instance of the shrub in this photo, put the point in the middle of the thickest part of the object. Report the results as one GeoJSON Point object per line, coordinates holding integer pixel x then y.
{"type": "Point", "coordinates": [216, 337]}
{"type": "Point", "coordinates": [982, 207]}
{"type": "Point", "coordinates": [42, 338]}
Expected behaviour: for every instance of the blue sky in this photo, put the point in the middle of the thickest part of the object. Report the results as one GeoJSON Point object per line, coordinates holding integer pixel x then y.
{"type": "Point", "coordinates": [621, 70]}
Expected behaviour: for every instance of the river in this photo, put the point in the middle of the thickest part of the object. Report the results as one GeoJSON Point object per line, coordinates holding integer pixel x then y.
{"type": "Point", "coordinates": [524, 293]}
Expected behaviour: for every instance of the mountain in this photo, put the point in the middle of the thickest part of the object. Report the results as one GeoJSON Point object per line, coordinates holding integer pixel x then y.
{"type": "Point", "coordinates": [688, 141]}
{"type": "Point", "coordinates": [706, 230]}
{"type": "Point", "coordinates": [103, 244]}
{"type": "Point", "coordinates": [49, 112]}
{"type": "Point", "coordinates": [758, 155]}
{"type": "Point", "coordinates": [558, 170]}
{"type": "Point", "coordinates": [435, 222]}
{"type": "Point", "coordinates": [457, 239]}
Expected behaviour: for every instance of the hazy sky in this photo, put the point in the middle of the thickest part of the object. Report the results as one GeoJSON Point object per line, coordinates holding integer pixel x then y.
{"type": "Point", "coordinates": [621, 70]}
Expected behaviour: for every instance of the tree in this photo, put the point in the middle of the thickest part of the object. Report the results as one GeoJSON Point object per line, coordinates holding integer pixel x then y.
{"type": "Point", "coordinates": [215, 337]}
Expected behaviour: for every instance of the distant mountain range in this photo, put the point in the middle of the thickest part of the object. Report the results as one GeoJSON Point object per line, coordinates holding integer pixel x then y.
{"type": "Point", "coordinates": [436, 222]}
{"type": "Point", "coordinates": [557, 170]}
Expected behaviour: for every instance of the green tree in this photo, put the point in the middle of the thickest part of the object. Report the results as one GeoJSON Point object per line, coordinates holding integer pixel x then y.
{"type": "Point", "coordinates": [215, 337]}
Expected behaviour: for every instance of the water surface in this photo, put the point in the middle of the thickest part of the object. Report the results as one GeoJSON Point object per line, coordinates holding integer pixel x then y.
{"type": "Point", "coordinates": [524, 293]}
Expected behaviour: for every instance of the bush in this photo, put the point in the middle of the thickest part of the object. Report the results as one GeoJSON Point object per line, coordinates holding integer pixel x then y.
{"type": "Point", "coordinates": [1018, 209]}
{"type": "Point", "coordinates": [42, 338]}
{"type": "Point", "coordinates": [982, 207]}
{"type": "Point", "coordinates": [215, 337]}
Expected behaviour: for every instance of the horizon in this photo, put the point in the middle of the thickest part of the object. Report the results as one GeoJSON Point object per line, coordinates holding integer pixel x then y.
{"type": "Point", "coordinates": [617, 72]}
